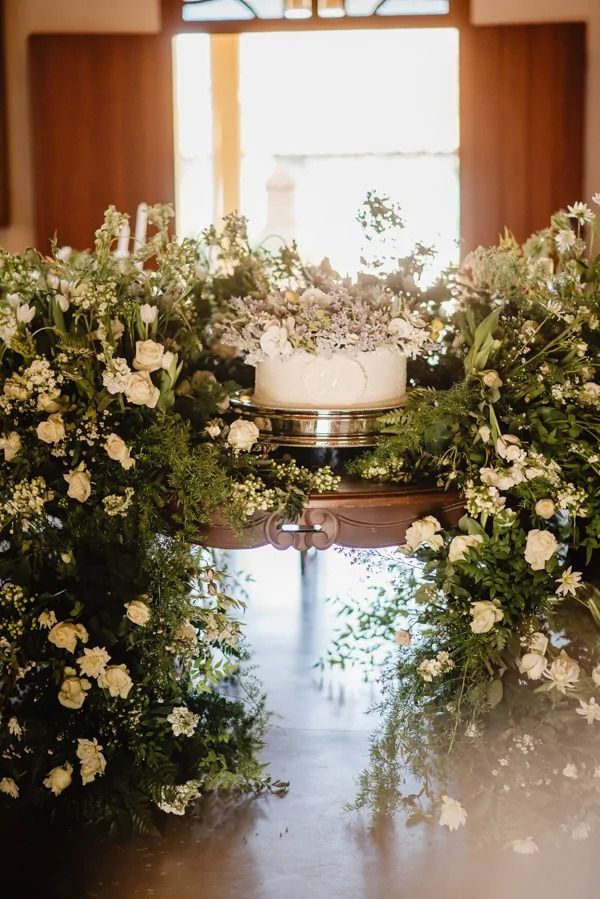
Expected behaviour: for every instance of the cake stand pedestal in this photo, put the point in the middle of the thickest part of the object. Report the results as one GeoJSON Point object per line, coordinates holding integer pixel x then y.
{"type": "Point", "coordinates": [359, 514]}
{"type": "Point", "coordinates": [319, 428]}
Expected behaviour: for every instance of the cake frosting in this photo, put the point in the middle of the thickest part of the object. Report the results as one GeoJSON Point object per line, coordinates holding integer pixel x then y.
{"type": "Point", "coordinates": [362, 380]}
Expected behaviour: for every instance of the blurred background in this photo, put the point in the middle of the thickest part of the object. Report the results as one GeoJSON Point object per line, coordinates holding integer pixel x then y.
{"type": "Point", "coordinates": [472, 116]}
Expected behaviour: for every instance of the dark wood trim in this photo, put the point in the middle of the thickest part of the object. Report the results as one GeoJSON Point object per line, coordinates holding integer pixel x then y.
{"type": "Point", "coordinates": [4, 168]}
{"type": "Point", "coordinates": [360, 514]}
{"type": "Point", "coordinates": [457, 17]}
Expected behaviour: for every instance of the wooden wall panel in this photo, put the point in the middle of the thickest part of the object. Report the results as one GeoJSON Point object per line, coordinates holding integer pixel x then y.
{"type": "Point", "coordinates": [4, 176]}
{"type": "Point", "coordinates": [102, 125]}
{"type": "Point", "coordinates": [522, 122]}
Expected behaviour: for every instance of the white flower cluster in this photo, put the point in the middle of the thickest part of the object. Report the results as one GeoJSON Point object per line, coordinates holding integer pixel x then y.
{"type": "Point", "coordinates": [430, 668]}
{"type": "Point", "coordinates": [254, 496]}
{"type": "Point", "coordinates": [483, 499]}
{"type": "Point", "coordinates": [183, 722]}
{"type": "Point", "coordinates": [175, 798]}
{"type": "Point", "coordinates": [118, 504]}
{"type": "Point", "coordinates": [28, 499]}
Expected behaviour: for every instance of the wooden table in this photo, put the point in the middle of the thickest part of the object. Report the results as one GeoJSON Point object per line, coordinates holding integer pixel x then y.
{"type": "Point", "coordinates": [359, 514]}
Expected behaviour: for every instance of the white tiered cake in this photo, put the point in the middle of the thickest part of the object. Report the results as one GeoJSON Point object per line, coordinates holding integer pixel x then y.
{"type": "Point", "coordinates": [364, 380]}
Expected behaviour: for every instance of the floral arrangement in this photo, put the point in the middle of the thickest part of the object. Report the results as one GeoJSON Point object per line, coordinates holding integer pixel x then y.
{"type": "Point", "coordinates": [327, 316]}
{"type": "Point", "coordinates": [476, 608]}
{"type": "Point", "coordinates": [114, 636]}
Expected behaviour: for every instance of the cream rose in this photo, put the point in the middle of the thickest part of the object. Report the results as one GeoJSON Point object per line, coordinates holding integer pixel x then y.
{"type": "Point", "coordinates": [11, 444]}
{"type": "Point", "coordinates": [79, 483]}
{"type": "Point", "coordinates": [118, 450]}
{"type": "Point", "coordinates": [460, 546]}
{"type": "Point", "coordinates": [485, 614]}
{"type": "Point", "coordinates": [538, 643]}
{"type": "Point", "coordinates": [274, 341]}
{"type": "Point", "coordinates": [509, 447]}
{"type": "Point", "coordinates": [59, 778]}
{"type": "Point", "coordinates": [93, 762]}
{"type": "Point", "coordinates": [46, 402]}
{"type": "Point", "coordinates": [141, 391]}
{"type": "Point", "coordinates": [424, 530]}
{"type": "Point", "coordinates": [65, 635]}
{"type": "Point", "coordinates": [544, 508]}
{"type": "Point", "coordinates": [242, 435]}
{"type": "Point", "coordinates": [52, 430]}
{"type": "Point", "coordinates": [116, 680]}
{"type": "Point", "coordinates": [540, 547]}
{"type": "Point", "coordinates": [533, 664]}
{"type": "Point", "coordinates": [148, 355]}
{"type": "Point", "coordinates": [73, 690]}
{"type": "Point", "coordinates": [137, 612]}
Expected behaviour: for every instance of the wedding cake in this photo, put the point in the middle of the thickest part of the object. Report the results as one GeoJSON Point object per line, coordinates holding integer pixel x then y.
{"type": "Point", "coordinates": [344, 348]}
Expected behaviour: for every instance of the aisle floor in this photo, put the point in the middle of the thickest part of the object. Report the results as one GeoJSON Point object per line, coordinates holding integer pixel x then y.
{"type": "Point", "coordinates": [304, 845]}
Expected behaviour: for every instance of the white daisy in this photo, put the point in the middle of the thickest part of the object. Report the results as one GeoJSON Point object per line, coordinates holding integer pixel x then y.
{"type": "Point", "coordinates": [568, 583]}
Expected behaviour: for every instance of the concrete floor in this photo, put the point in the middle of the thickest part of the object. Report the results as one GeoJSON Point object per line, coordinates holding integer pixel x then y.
{"type": "Point", "coordinates": [302, 846]}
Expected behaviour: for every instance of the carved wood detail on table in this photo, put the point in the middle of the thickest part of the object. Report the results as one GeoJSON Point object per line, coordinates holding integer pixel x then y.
{"type": "Point", "coordinates": [359, 514]}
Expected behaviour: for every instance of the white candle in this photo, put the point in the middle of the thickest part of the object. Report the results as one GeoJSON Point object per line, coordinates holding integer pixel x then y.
{"type": "Point", "coordinates": [123, 241]}
{"type": "Point", "coordinates": [141, 226]}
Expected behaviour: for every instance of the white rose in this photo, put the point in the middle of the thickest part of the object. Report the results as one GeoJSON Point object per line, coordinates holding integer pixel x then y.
{"type": "Point", "coordinates": [11, 444]}
{"type": "Point", "coordinates": [116, 680]}
{"type": "Point", "coordinates": [274, 341]}
{"type": "Point", "coordinates": [538, 643]}
{"type": "Point", "coordinates": [52, 430]}
{"type": "Point", "coordinates": [93, 763]}
{"type": "Point", "coordinates": [242, 435]}
{"type": "Point", "coordinates": [493, 478]}
{"type": "Point", "coordinates": [540, 547]}
{"type": "Point", "coordinates": [141, 391]}
{"type": "Point", "coordinates": [138, 612]}
{"type": "Point", "coordinates": [118, 450]}
{"type": "Point", "coordinates": [596, 675]}
{"type": "Point", "coordinates": [452, 814]}
{"type": "Point", "coordinates": [59, 778]}
{"type": "Point", "coordinates": [47, 403]}
{"type": "Point", "coordinates": [533, 664]}
{"type": "Point", "coordinates": [544, 508]}
{"type": "Point", "coordinates": [317, 297]}
{"type": "Point", "coordinates": [424, 530]}
{"type": "Point", "coordinates": [504, 442]}
{"type": "Point", "coordinates": [73, 690]}
{"type": "Point", "coordinates": [485, 433]}
{"type": "Point", "coordinates": [148, 355]}
{"type": "Point", "coordinates": [213, 430]}
{"type": "Point", "coordinates": [79, 484]}
{"type": "Point", "coordinates": [492, 379]}
{"type": "Point", "coordinates": [485, 613]}
{"type": "Point", "coordinates": [590, 392]}
{"type": "Point", "coordinates": [402, 637]}
{"type": "Point", "coordinates": [148, 313]}
{"type": "Point", "coordinates": [460, 546]}
{"type": "Point", "coordinates": [25, 313]}
{"type": "Point", "coordinates": [65, 635]}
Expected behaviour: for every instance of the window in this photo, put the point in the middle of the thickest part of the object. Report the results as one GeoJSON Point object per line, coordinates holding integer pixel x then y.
{"type": "Point", "coordinates": [318, 120]}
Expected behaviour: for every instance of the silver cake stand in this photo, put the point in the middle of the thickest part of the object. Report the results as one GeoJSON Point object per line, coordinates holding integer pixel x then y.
{"type": "Point", "coordinates": [332, 428]}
